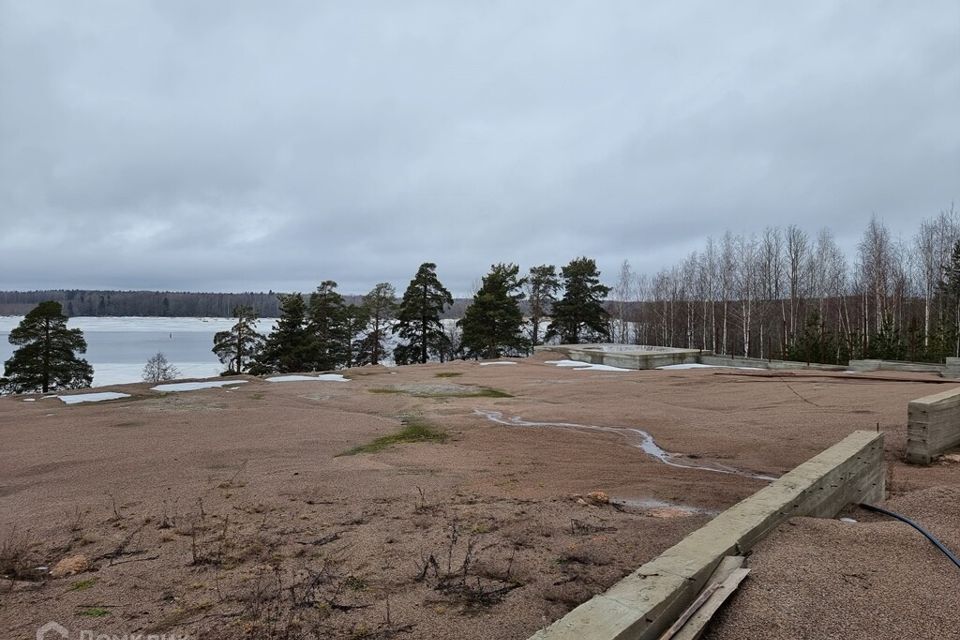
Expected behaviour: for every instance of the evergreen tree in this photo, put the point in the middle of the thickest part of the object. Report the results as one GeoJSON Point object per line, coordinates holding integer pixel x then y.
{"type": "Point", "coordinates": [493, 324]}
{"type": "Point", "coordinates": [580, 315]}
{"type": "Point", "coordinates": [814, 343]}
{"type": "Point", "coordinates": [290, 346]}
{"type": "Point", "coordinates": [418, 318]}
{"type": "Point", "coordinates": [357, 320]}
{"type": "Point", "coordinates": [238, 346]}
{"type": "Point", "coordinates": [329, 324]}
{"type": "Point", "coordinates": [885, 344]}
{"type": "Point", "coordinates": [542, 285]}
{"type": "Point", "coordinates": [381, 307]}
{"type": "Point", "coordinates": [46, 358]}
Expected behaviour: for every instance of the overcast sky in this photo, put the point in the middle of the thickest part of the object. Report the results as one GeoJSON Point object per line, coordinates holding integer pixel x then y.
{"type": "Point", "coordinates": [231, 145]}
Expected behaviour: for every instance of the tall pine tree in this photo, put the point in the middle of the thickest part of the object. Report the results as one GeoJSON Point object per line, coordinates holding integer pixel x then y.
{"type": "Point", "coordinates": [579, 315]}
{"type": "Point", "coordinates": [418, 318]}
{"type": "Point", "coordinates": [381, 307]}
{"type": "Point", "coordinates": [238, 346]}
{"type": "Point", "coordinates": [493, 324]}
{"type": "Point", "coordinates": [542, 285]}
{"type": "Point", "coordinates": [290, 346]}
{"type": "Point", "coordinates": [47, 355]}
{"type": "Point", "coordinates": [330, 326]}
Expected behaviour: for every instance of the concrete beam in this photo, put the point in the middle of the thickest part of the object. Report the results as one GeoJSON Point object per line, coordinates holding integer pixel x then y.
{"type": "Point", "coordinates": [645, 603]}
{"type": "Point", "coordinates": [933, 425]}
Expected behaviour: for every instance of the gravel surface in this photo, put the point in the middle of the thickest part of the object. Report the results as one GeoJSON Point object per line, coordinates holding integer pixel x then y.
{"type": "Point", "coordinates": [876, 578]}
{"type": "Point", "coordinates": [231, 513]}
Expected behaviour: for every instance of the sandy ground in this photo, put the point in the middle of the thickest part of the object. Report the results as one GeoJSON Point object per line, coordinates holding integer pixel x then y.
{"type": "Point", "coordinates": [876, 578]}
{"type": "Point", "coordinates": [227, 513]}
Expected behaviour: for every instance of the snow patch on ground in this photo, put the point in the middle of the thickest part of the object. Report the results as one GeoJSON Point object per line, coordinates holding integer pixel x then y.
{"type": "Point", "coordinates": [490, 364]}
{"type": "Point", "coordinates": [677, 367]}
{"type": "Point", "coordinates": [195, 386]}
{"type": "Point", "coordinates": [93, 397]}
{"type": "Point", "coordinates": [576, 365]}
{"type": "Point", "coordinates": [324, 377]}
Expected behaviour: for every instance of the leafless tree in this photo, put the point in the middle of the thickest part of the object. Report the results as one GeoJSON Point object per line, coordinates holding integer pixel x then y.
{"type": "Point", "coordinates": [158, 369]}
{"type": "Point", "coordinates": [623, 294]}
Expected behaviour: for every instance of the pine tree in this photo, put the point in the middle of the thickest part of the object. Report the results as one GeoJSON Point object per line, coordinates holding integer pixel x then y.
{"type": "Point", "coordinates": [542, 285]}
{"type": "Point", "coordinates": [238, 346]}
{"type": "Point", "coordinates": [290, 346]}
{"type": "Point", "coordinates": [580, 315]}
{"type": "Point", "coordinates": [329, 324]}
{"type": "Point", "coordinates": [814, 343]}
{"type": "Point", "coordinates": [46, 358]}
{"type": "Point", "coordinates": [357, 320]}
{"type": "Point", "coordinates": [885, 344]}
{"type": "Point", "coordinates": [493, 324]}
{"type": "Point", "coordinates": [418, 318]}
{"type": "Point", "coordinates": [381, 307]}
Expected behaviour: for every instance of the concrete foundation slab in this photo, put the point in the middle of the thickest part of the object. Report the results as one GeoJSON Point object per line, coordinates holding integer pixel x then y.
{"type": "Point", "coordinates": [645, 603]}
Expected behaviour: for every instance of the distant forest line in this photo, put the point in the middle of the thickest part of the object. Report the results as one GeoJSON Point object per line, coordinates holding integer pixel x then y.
{"type": "Point", "coordinates": [186, 304]}
{"type": "Point", "coordinates": [781, 293]}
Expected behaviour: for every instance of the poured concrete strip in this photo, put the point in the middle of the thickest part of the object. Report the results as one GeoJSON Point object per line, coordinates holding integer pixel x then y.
{"type": "Point", "coordinates": [933, 425]}
{"type": "Point", "coordinates": [645, 603]}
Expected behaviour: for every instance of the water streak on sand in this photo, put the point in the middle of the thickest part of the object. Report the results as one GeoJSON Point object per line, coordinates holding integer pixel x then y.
{"type": "Point", "coordinates": [645, 442]}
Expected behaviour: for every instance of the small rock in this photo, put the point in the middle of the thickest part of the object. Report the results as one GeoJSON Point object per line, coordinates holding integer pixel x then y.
{"type": "Point", "coordinates": [581, 502]}
{"type": "Point", "coordinates": [598, 497]}
{"type": "Point", "coordinates": [950, 457]}
{"type": "Point", "coordinates": [70, 566]}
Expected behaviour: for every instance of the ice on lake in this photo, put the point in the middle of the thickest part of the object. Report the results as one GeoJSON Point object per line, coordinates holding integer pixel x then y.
{"type": "Point", "coordinates": [119, 347]}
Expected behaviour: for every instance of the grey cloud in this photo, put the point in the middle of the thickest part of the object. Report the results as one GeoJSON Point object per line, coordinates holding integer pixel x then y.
{"type": "Point", "coordinates": [249, 145]}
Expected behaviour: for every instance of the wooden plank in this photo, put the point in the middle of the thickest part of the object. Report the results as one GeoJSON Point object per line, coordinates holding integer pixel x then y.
{"type": "Point", "coordinates": [697, 623]}
{"type": "Point", "coordinates": [724, 570]}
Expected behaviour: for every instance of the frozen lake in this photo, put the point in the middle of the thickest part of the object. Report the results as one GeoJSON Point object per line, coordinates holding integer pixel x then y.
{"type": "Point", "coordinates": [117, 348]}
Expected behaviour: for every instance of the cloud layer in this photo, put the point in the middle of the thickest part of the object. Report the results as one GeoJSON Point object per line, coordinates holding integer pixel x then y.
{"type": "Point", "coordinates": [252, 146]}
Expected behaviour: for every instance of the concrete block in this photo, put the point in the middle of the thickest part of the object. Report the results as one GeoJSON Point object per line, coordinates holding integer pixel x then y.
{"type": "Point", "coordinates": [864, 365]}
{"type": "Point", "coordinates": [645, 603]}
{"type": "Point", "coordinates": [933, 425]}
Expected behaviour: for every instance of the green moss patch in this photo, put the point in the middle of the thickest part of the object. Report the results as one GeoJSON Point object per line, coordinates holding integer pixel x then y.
{"type": "Point", "coordinates": [412, 431]}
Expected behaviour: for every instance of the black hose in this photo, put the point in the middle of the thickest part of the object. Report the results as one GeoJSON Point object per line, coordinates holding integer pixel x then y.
{"type": "Point", "coordinates": [927, 534]}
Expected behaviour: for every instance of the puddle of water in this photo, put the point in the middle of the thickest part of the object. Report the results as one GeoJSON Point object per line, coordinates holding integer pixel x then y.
{"type": "Point", "coordinates": [643, 441]}
{"type": "Point", "coordinates": [653, 503]}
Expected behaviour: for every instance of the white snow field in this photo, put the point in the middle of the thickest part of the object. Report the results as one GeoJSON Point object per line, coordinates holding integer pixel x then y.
{"type": "Point", "coordinates": [678, 367]}
{"type": "Point", "coordinates": [693, 365]}
{"type": "Point", "coordinates": [93, 397]}
{"type": "Point", "coordinates": [576, 365]}
{"type": "Point", "coordinates": [195, 386]}
{"type": "Point", "coordinates": [490, 364]}
{"type": "Point", "coordinates": [324, 377]}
